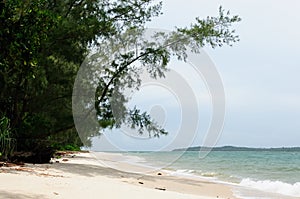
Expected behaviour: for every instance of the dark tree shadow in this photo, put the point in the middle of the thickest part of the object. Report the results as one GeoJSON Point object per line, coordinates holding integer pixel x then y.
{"type": "Point", "coordinates": [93, 170]}
{"type": "Point", "coordinates": [10, 195]}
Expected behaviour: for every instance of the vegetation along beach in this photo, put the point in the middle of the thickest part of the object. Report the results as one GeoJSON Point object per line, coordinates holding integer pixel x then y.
{"type": "Point", "coordinates": [149, 99]}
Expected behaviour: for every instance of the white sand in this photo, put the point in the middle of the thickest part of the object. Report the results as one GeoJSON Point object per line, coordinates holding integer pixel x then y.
{"type": "Point", "coordinates": [84, 177]}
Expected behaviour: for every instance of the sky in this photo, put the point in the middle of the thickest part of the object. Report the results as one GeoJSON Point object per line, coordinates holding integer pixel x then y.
{"type": "Point", "coordinates": [260, 75]}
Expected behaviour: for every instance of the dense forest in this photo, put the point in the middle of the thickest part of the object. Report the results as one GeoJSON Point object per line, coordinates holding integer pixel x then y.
{"type": "Point", "coordinates": [42, 46]}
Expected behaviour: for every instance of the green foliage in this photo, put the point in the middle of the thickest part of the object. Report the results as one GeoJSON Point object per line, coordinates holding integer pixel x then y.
{"type": "Point", "coordinates": [144, 123]}
{"type": "Point", "coordinates": [121, 70]}
{"type": "Point", "coordinates": [43, 43]}
{"type": "Point", "coordinates": [68, 147]}
{"type": "Point", "coordinates": [7, 143]}
{"type": "Point", "coordinates": [213, 31]}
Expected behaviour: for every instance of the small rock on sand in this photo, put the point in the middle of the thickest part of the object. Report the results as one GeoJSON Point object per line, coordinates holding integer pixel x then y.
{"type": "Point", "coordinates": [158, 188]}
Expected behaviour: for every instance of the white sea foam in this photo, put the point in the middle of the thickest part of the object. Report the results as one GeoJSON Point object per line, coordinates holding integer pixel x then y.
{"type": "Point", "coordinates": [194, 175]}
{"type": "Point", "coordinates": [273, 186]}
{"type": "Point", "coordinates": [181, 172]}
{"type": "Point", "coordinates": [209, 174]}
{"type": "Point", "coordinates": [184, 171]}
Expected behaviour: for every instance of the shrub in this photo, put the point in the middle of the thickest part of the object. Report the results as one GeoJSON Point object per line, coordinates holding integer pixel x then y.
{"type": "Point", "coordinates": [7, 142]}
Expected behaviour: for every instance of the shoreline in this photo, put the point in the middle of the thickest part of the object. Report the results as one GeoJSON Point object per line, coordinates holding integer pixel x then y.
{"type": "Point", "coordinates": [83, 176]}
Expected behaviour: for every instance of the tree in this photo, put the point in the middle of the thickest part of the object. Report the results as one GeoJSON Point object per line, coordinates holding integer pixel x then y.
{"type": "Point", "coordinates": [43, 43]}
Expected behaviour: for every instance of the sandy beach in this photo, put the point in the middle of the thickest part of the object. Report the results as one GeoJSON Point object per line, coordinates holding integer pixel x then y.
{"type": "Point", "coordinates": [83, 176]}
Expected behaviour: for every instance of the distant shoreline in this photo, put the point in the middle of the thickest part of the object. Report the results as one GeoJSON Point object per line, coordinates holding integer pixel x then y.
{"type": "Point", "coordinates": [235, 148]}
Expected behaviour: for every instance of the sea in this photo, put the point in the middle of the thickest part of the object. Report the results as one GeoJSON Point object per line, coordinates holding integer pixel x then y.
{"type": "Point", "coordinates": [252, 174]}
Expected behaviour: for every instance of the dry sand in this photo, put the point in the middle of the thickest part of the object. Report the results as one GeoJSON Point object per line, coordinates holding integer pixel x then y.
{"type": "Point", "coordinates": [84, 176]}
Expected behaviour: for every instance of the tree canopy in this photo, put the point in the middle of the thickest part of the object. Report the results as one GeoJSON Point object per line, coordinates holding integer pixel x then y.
{"type": "Point", "coordinates": [43, 44]}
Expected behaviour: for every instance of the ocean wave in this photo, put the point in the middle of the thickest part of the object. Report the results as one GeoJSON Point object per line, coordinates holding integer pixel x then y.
{"type": "Point", "coordinates": [209, 174]}
{"type": "Point", "coordinates": [194, 173]}
{"type": "Point", "coordinates": [273, 186]}
{"type": "Point", "coordinates": [183, 172]}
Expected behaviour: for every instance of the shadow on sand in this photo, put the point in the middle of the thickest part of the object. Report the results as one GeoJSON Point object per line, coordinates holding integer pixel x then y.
{"type": "Point", "coordinates": [10, 195]}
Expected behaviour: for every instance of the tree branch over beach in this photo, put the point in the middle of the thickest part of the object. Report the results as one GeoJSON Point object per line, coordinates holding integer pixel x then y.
{"type": "Point", "coordinates": [43, 43]}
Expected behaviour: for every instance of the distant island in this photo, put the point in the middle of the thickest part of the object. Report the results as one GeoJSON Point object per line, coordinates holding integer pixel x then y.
{"type": "Point", "coordinates": [234, 148]}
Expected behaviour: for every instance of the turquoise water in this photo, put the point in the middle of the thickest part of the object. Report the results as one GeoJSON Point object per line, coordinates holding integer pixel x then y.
{"type": "Point", "coordinates": [276, 172]}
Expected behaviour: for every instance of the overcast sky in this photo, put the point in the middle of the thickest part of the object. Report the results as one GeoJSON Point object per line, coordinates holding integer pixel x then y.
{"type": "Point", "coordinates": [260, 74]}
